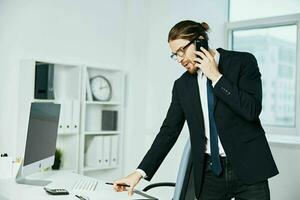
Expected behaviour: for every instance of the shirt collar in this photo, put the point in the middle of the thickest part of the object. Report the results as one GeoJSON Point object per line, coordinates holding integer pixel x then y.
{"type": "Point", "coordinates": [216, 58]}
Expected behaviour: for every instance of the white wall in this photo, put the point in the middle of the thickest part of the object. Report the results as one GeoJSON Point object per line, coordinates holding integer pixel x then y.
{"type": "Point", "coordinates": [136, 46]}
{"type": "Point", "coordinates": [63, 31]}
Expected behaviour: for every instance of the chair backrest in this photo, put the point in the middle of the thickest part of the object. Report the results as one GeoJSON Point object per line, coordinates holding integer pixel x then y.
{"type": "Point", "coordinates": [184, 188]}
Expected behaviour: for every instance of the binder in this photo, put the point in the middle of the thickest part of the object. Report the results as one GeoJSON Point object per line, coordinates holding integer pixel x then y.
{"type": "Point", "coordinates": [109, 120]}
{"type": "Point", "coordinates": [100, 160]}
{"type": "Point", "coordinates": [75, 116]}
{"type": "Point", "coordinates": [106, 151]}
{"type": "Point", "coordinates": [61, 123]}
{"type": "Point", "coordinates": [44, 76]}
{"type": "Point", "coordinates": [68, 116]}
{"type": "Point", "coordinates": [114, 150]}
{"type": "Point", "coordinates": [94, 152]}
{"type": "Point", "coordinates": [91, 152]}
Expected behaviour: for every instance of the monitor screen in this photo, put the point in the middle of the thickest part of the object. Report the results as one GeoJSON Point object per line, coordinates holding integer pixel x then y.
{"type": "Point", "coordinates": [42, 132]}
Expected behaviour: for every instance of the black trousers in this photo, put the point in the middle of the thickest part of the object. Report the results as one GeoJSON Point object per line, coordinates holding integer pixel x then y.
{"type": "Point", "coordinates": [228, 186]}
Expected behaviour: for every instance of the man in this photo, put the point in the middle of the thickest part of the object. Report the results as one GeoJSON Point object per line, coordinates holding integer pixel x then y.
{"type": "Point", "coordinates": [220, 97]}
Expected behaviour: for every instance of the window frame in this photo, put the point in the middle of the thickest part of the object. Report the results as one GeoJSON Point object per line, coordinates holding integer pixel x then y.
{"type": "Point", "coordinates": [274, 132]}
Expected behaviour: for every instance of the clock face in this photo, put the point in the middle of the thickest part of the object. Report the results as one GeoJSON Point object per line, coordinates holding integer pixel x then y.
{"type": "Point", "coordinates": [101, 88]}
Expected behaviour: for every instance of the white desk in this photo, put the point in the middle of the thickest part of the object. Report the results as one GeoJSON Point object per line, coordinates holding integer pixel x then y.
{"type": "Point", "coordinates": [10, 190]}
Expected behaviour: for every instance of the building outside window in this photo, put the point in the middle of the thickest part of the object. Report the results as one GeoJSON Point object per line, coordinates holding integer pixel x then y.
{"type": "Point", "coordinates": [271, 35]}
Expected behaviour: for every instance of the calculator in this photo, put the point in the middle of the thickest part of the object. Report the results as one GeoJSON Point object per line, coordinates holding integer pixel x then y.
{"type": "Point", "coordinates": [56, 191]}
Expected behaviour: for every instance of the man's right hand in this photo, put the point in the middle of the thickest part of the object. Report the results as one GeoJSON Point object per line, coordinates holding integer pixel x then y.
{"type": "Point", "coordinates": [132, 179]}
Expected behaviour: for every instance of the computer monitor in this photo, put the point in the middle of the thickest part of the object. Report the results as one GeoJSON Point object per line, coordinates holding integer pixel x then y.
{"type": "Point", "coordinates": [41, 141]}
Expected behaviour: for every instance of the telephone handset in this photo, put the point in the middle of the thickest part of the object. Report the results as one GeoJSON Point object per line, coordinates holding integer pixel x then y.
{"type": "Point", "coordinates": [201, 43]}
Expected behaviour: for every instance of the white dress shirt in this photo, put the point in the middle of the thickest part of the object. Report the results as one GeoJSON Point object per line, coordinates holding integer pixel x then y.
{"type": "Point", "coordinates": [203, 99]}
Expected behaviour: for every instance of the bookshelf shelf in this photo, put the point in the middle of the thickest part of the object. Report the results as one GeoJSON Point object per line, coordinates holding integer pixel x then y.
{"type": "Point", "coordinates": [88, 169]}
{"type": "Point", "coordinates": [103, 103]}
{"type": "Point", "coordinates": [81, 116]}
{"type": "Point", "coordinates": [102, 132]}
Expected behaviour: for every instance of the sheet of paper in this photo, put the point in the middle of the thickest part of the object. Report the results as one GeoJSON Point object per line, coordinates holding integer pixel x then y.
{"type": "Point", "coordinates": [110, 194]}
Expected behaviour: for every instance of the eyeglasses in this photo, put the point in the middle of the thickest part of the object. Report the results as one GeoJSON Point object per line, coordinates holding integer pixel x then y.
{"type": "Point", "coordinates": [181, 51]}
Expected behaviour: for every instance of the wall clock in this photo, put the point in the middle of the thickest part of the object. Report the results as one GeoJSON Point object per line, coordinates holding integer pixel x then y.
{"type": "Point", "coordinates": [101, 88]}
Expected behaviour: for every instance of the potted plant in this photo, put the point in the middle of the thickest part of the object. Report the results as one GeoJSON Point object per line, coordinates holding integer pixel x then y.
{"type": "Point", "coordinates": [57, 159]}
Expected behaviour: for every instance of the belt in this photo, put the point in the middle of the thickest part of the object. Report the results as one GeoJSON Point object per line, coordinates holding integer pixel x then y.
{"type": "Point", "coordinates": [223, 159]}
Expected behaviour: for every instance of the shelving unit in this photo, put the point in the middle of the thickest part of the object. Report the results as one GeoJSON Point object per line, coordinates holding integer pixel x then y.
{"type": "Point", "coordinates": [81, 117]}
{"type": "Point", "coordinates": [67, 88]}
{"type": "Point", "coordinates": [102, 103]}
{"type": "Point", "coordinates": [92, 118]}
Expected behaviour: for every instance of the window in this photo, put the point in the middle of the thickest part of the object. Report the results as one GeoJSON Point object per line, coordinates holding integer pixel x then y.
{"type": "Point", "coordinates": [278, 70]}
{"type": "Point", "coordinates": [273, 41]}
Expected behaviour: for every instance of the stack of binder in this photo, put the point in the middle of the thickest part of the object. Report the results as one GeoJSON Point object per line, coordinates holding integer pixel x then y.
{"type": "Point", "coordinates": [69, 117]}
{"type": "Point", "coordinates": [102, 152]}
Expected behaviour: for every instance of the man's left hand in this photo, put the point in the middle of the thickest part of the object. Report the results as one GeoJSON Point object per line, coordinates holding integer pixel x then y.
{"type": "Point", "coordinates": [207, 64]}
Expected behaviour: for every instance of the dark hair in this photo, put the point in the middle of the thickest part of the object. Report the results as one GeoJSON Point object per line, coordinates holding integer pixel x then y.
{"type": "Point", "coordinates": [189, 30]}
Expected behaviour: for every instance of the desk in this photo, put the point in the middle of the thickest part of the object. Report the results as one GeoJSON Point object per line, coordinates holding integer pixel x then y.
{"type": "Point", "coordinates": [10, 190]}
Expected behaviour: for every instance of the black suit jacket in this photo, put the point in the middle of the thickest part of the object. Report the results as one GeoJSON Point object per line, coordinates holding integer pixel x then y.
{"type": "Point", "coordinates": [238, 103]}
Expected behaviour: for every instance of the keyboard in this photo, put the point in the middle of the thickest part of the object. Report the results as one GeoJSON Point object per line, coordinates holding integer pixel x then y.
{"type": "Point", "coordinates": [86, 184]}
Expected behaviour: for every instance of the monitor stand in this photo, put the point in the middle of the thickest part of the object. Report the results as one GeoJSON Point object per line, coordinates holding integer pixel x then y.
{"type": "Point", "coordinates": [32, 182]}
{"type": "Point", "coordinates": [22, 180]}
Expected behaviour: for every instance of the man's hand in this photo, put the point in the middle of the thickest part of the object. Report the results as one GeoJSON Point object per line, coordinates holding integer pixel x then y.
{"type": "Point", "coordinates": [132, 180]}
{"type": "Point", "coordinates": [207, 65]}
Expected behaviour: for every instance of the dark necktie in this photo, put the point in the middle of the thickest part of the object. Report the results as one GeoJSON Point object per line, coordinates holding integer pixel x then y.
{"type": "Point", "coordinates": [215, 158]}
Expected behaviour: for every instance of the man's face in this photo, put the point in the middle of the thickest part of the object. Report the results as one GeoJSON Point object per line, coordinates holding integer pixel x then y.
{"type": "Point", "coordinates": [187, 59]}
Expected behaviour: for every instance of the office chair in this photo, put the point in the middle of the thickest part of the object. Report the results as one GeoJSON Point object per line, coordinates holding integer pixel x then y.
{"type": "Point", "coordinates": [184, 187]}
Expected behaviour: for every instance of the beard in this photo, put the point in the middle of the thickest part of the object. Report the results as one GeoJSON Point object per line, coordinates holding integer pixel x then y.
{"type": "Point", "coordinates": [192, 69]}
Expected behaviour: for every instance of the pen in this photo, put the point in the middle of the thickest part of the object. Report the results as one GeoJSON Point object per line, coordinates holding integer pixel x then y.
{"type": "Point", "coordinates": [80, 197]}
{"type": "Point", "coordinates": [125, 185]}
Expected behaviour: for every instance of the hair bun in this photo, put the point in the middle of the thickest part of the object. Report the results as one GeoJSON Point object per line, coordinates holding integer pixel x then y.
{"type": "Point", "coordinates": [204, 25]}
